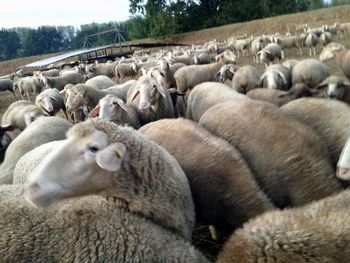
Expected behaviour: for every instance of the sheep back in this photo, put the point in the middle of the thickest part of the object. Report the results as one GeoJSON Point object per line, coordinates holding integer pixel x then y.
{"type": "Point", "coordinates": [289, 160]}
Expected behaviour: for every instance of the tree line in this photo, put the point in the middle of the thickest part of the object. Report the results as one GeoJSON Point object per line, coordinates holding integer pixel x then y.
{"type": "Point", "coordinates": [150, 18]}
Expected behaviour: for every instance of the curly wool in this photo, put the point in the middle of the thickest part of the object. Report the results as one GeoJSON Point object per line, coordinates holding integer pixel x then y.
{"type": "Point", "coordinates": [89, 229]}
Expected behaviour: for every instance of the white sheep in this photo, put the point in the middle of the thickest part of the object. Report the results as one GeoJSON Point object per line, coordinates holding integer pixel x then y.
{"type": "Point", "coordinates": [29, 85]}
{"type": "Point", "coordinates": [43, 130]}
{"type": "Point", "coordinates": [189, 76]}
{"type": "Point", "coordinates": [276, 76]}
{"type": "Point", "coordinates": [20, 114]}
{"type": "Point", "coordinates": [100, 82]}
{"type": "Point", "coordinates": [113, 108]}
{"type": "Point", "coordinates": [309, 71]}
{"type": "Point", "coordinates": [150, 218]}
{"type": "Point", "coordinates": [311, 42]}
{"type": "Point", "coordinates": [151, 99]}
{"type": "Point", "coordinates": [317, 232]}
{"type": "Point", "coordinates": [61, 81]}
{"type": "Point", "coordinates": [51, 101]}
{"type": "Point", "coordinates": [270, 53]}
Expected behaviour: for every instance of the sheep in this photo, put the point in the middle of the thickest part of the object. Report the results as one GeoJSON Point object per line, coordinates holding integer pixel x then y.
{"type": "Point", "coordinates": [309, 71]}
{"type": "Point", "coordinates": [207, 94]}
{"type": "Point", "coordinates": [113, 108]}
{"type": "Point", "coordinates": [7, 84]}
{"type": "Point", "coordinates": [223, 182]}
{"type": "Point", "coordinates": [283, 166]}
{"type": "Point", "coordinates": [121, 90]}
{"type": "Point", "coordinates": [203, 58]}
{"type": "Point", "coordinates": [51, 101]}
{"type": "Point", "coordinates": [83, 96]}
{"type": "Point", "coordinates": [21, 113]}
{"type": "Point", "coordinates": [126, 70]}
{"type": "Point", "coordinates": [152, 101]}
{"type": "Point", "coordinates": [43, 130]}
{"type": "Point", "coordinates": [279, 97]}
{"type": "Point", "coordinates": [336, 87]}
{"type": "Point", "coordinates": [100, 82]}
{"type": "Point", "coordinates": [326, 38]}
{"type": "Point", "coordinates": [276, 77]}
{"type": "Point", "coordinates": [290, 63]}
{"type": "Point", "coordinates": [329, 118]}
{"type": "Point", "coordinates": [317, 232]}
{"type": "Point", "coordinates": [89, 229]}
{"type": "Point", "coordinates": [189, 76]}
{"type": "Point", "coordinates": [311, 41]}
{"type": "Point", "coordinates": [32, 159]}
{"type": "Point", "coordinates": [274, 96]}
{"type": "Point", "coordinates": [332, 50]}
{"type": "Point", "coordinates": [226, 73]}
{"type": "Point", "coordinates": [245, 79]}
{"type": "Point", "coordinates": [269, 53]}
{"type": "Point", "coordinates": [106, 69]}
{"type": "Point", "coordinates": [346, 64]}
{"type": "Point", "coordinates": [29, 85]}
{"type": "Point", "coordinates": [119, 162]}
{"type": "Point", "coordinates": [290, 42]}
{"type": "Point", "coordinates": [61, 81]}
{"type": "Point", "coordinates": [257, 45]}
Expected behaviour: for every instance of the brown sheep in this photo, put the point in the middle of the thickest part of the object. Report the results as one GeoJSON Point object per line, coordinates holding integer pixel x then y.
{"type": "Point", "coordinates": [329, 118]}
{"type": "Point", "coordinates": [207, 94]}
{"type": "Point", "coordinates": [318, 232]}
{"type": "Point", "coordinates": [222, 182]}
{"type": "Point", "coordinates": [279, 97]}
{"type": "Point", "coordinates": [285, 156]}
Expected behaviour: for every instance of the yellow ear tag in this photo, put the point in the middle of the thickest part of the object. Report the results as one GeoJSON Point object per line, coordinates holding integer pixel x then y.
{"type": "Point", "coordinates": [118, 153]}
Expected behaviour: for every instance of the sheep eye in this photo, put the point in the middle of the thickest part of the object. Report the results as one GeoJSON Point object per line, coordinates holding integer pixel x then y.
{"type": "Point", "coordinates": [115, 103]}
{"type": "Point", "coordinates": [93, 149]}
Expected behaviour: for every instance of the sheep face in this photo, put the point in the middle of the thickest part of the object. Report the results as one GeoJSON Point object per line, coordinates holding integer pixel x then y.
{"type": "Point", "coordinates": [334, 87]}
{"type": "Point", "coordinates": [326, 54]}
{"type": "Point", "coordinates": [111, 108]}
{"type": "Point", "coordinates": [147, 94]}
{"type": "Point", "coordinates": [45, 103]}
{"type": "Point", "coordinates": [76, 98]}
{"type": "Point", "coordinates": [89, 161]}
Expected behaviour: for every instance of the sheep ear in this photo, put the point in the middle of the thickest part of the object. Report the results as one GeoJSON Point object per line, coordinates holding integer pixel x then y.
{"type": "Point", "coordinates": [122, 105]}
{"type": "Point", "coordinates": [8, 127]}
{"type": "Point", "coordinates": [111, 157]}
{"type": "Point", "coordinates": [135, 94]}
{"type": "Point", "coordinates": [161, 90]}
{"type": "Point", "coordinates": [322, 85]}
{"type": "Point", "coordinates": [261, 79]}
{"type": "Point", "coordinates": [280, 74]}
{"type": "Point", "coordinates": [95, 111]}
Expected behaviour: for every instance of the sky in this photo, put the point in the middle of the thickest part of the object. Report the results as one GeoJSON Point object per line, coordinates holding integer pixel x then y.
{"type": "Point", "coordinates": [34, 13]}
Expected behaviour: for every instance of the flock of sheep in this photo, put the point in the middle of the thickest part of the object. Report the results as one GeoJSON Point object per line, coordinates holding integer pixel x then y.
{"type": "Point", "coordinates": [154, 145]}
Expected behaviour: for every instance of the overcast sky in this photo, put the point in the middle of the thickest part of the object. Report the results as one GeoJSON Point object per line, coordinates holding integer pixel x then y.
{"type": "Point", "coordinates": [34, 13]}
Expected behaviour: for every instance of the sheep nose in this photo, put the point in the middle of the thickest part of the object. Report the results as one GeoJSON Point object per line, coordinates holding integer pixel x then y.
{"type": "Point", "coordinates": [144, 105]}
{"type": "Point", "coordinates": [332, 95]}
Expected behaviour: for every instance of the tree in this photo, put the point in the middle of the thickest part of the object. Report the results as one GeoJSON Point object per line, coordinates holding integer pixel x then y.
{"type": "Point", "coordinates": [9, 44]}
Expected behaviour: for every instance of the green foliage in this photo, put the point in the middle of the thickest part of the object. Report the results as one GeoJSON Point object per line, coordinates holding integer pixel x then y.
{"type": "Point", "coordinates": [9, 44]}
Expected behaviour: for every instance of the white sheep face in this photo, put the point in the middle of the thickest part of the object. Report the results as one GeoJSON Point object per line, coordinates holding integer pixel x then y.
{"type": "Point", "coordinates": [111, 107]}
{"type": "Point", "coordinates": [82, 165]}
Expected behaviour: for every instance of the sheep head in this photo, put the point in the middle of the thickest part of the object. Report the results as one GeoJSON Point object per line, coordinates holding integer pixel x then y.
{"type": "Point", "coordinates": [76, 97]}
{"type": "Point", "coordinates": [111, 107]}
{"type": "Point", "coordinates": [147, 93]}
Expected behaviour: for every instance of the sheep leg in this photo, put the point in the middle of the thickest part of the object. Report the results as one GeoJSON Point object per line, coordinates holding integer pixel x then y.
{"type": "Point", "coordinates": [282, 54]}
{"type": "Point", "coordinates": [314, 49]}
